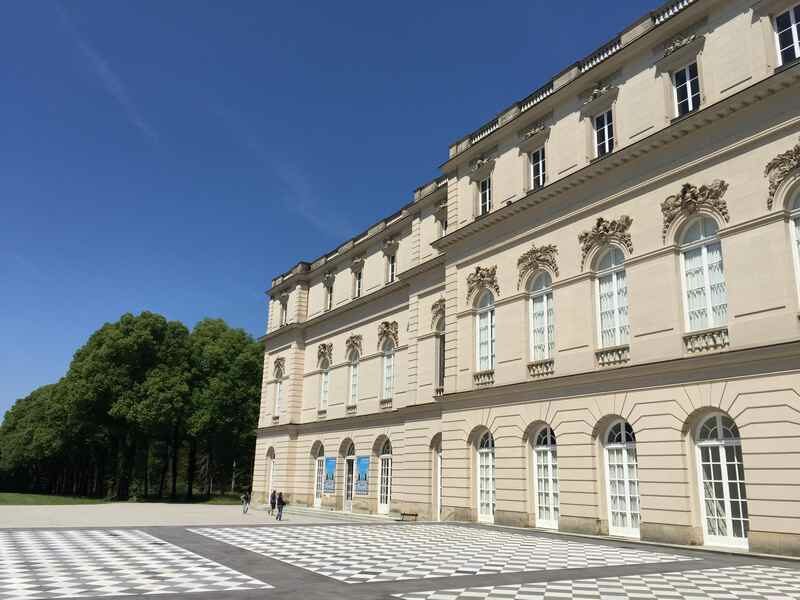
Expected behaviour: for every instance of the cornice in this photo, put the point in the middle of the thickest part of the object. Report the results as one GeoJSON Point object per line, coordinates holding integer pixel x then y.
{"type": "Point", "coordinates": [657, 141]}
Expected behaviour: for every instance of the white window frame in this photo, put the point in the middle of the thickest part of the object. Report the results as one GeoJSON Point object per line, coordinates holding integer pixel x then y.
{"type": "Point", "coordinates": [353, 380]}
{"type": "Point", "coordinates": [358, 283]}
{"type": "Point", "coordinates": [385, 479]}
{"type": "Point", "coordinates": [329, 297]}
{"type": "Point", "coordinates": [692, 107]}
{"type": "Point", "coordinates": [276, 406]}
{"type": "Point", "coordinates": [550, 451]}
{"type": "Point", "coordinates": [541, 162]}
{"type": "Point", "coordinates": [324, 384]}
{"type": "Point", "coordinates": [614, 271]}
{"type": "Point", "coordinates": [608, 124]}
{"type": "Point", "coordinates": [684, 248]}
{"type": "Point", "coordinates": [626, 447]}
{"type": "Point", "coordinates": [485, 195]}
{"type": "Point", "coordinates": [547, 294]}
{"type": "Point", "coordinates": [794, 226]}
{"type": "Point", "coordinates": [388, 370]}
{"type": "Point", "coordinates": [795, 28]}
{"type": "Point", "coordinates": [486, 458]}
{"type": "Point", "coordinates": [284, 310]}
{"type": "Point", "coordinates": [391, 268]}
{"type": "Point", "coordinates": [319, 480]}
{"type": "Point", "coordinates": [489, 313]}
{"type": "Point", "coordinates": [442, 222]}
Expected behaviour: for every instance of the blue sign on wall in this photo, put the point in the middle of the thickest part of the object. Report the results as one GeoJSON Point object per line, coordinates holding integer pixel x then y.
{"type": "Point", "coordinates": [330, 474]}
{"type": "Point", "coordinates": [362, 470]}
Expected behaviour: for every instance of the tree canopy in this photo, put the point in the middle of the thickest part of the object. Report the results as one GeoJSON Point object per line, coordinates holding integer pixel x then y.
{"type": "Point", "coordinates": [142, 399]}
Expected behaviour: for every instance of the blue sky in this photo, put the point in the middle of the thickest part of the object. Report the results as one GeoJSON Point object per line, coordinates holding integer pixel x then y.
{"type": "Point", "coordinates": [174, 156]}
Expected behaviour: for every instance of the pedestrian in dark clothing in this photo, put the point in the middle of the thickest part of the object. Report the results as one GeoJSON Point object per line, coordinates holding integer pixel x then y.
{"type": "Point", "coordinates": [273, 500]}
{"type": "Point", "coordinates": [245, 501]}
{"type": "Point", "coordinates": [280, 502]}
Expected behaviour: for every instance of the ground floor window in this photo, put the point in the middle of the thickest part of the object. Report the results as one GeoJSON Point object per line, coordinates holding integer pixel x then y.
{"type": "Point", "coordinates": [622, 480]}
{"type": "Point", "coordinates": [546, 467]}
{"type": "Point", "coordinates": [486, 478]}
{"type": "Point", "coordinates": [385, 492]}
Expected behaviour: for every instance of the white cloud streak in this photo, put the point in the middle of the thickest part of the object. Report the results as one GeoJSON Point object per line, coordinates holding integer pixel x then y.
{"type": "Point", "coordinates": [111, 81]}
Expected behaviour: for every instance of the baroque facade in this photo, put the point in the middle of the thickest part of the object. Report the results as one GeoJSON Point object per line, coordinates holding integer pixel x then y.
{"type": "Point", "coordinates": [588, 323]}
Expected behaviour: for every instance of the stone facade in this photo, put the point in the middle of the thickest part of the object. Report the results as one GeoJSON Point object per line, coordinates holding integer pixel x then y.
{"type": "Point", "coordinates": [715, 192]}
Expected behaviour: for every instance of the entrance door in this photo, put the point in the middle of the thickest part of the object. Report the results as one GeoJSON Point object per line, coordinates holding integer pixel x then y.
{"type": "Point", "coordinates": [486, 479]}
{"type": "Point", "coordinates": [348, 484]}
{"type": "Point", "coordinates": [319, 481]}
{"type": "Point", "coordinates": [622, 478]}
{"type": "Point", "coordinates": [546, 468]}
{"type": "Point", "coordinates": [271, 482]}
{"type": "Point", "coordinates": [439, 494]}
{"type": "Point", "coordinates": [385, 497]}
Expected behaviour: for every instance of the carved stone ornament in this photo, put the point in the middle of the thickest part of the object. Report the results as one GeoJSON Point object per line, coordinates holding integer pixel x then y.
{"type": "Point", "coordinates": [325, 352]}
{"type": "Point", "coordinates": [600, 90]}
{"type": "Point", "coordinates": [390, 246]}
{"type": "Point", "coordinates": [778, 168]}
{"type": "Point", "coordinates": [437, 312]}
{"type": "Point", "coordinates": [604, 232]}
{"type": "Point", "coordinates": [482, 277]}
{"type": "Point", "coordinates": [388, 330]}
{"type": "Point", "coordinates": [678, 43]}
{"type": "Point", "coordinates": [691, 199]}
{"type": "Point", "coordinates": [533, 130]}
{"type": "Point", "coordinates": [482, 163]}
{"type": "Point", "coordinates": [353, 343]}
{"type": "Point", "coordinates": [535, 259]}
{"type": "Point", "coordinates": [357, 264]}
{"type": "Point", "coordinates": [328, 279]}
{"type": "Point", "coordinates": [279, 365]}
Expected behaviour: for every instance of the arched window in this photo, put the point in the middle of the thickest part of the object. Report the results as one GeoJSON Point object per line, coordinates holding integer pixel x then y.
{"type": "Point", "coordinates": [353, 396]}
{"type": "Point", "coordinates": [486, 478]}
{"type": "Point", "coordinates": [271, 482]}
{"type": "Point", "coordinates": [387, 388]}
{"type": "Point", "coordinates": [795, 215]}
{"type": "Point", "coordinates": [324, 383]}
{"type": "Point", "coordinates": [542, 329]}
{"type": "Point", "coordinates": [622, 480]}
{"type": "Point", "coordinates": [319, 475]}
{"type": "Point", "coordinates": [612, 299]}
{"type": "Point", "coordinates": [545, 466]}
{"type": "Point", "coordinates": [278, 398]}
{"type": "Point", "coordinates": [723, 495]}
{"type": "Point", "coordinates": [439, 328]}
{"type": "Point", "coordinates": [485, 332]}
{"type": "Point", "coordinates": [706, 300]}
{"type": "Point", "coordinates": [385, 490]}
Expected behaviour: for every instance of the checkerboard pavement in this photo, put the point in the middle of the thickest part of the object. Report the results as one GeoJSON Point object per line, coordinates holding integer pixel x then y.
{"type": "Point", "coordinates": [750, 582]}
{"type": "Point", "coordinates": [374, 553]}
{"type": "Point", "coordinates": [86, 563]}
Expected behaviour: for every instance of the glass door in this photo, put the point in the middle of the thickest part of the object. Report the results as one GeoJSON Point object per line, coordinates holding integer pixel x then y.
{"type": "Point", "coordinates": [319, 480]}
{"type": "Point", "coordinates": [385, 496]}
{"type": "Point", "coordinates": [348, 484]}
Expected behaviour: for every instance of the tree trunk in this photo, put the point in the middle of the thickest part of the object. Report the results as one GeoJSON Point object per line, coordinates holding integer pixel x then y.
{"type": "Point", "coordinates": [174, 467]}
{"type": "Point", "coordinates": [164, 465]}
{"type": "Point", "coordinates": [147, 468]}
{"type": "Point", "coordinates": [126, 469]}
{"type": "Point", "coordinates": [191, 467]}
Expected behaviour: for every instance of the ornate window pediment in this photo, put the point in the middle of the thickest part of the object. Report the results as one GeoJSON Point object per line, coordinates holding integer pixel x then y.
{"type": "Point", "coordinates": [482, 278]}
{"type": "Point", "coordinates": [353, 344]}
{"type": "Point", "coordinates": [328, 279]}
{"type": "Point", "coordinates": [437, 312]}
{"type": "Point", "coordinates": [357, 264]}
{"type": "Point", "coordinates": [388, 330]}
{"type": "Point", "coordinates": [779, 168]}
{"type": "Point", "coordinates": [604, 232]}
{"type": "Point", "coordinates": [534, 135]}
{"type": "Point", "coordinates": [325, 352]}
{"type": "Point", "coordinates": [692, 199]}
{"type": "Point", "coordinates": [481, 168]}
{"type": "Point", "coordinates": [599, 99]}
{"type": "Point", "coordinates": [536, 258]}
{"type": "Point", "coordinates": [279, 365]}
{"type": "Point", "coordinates": [390, 246]}
{"type": "Point", "coordinates": [678, 42]}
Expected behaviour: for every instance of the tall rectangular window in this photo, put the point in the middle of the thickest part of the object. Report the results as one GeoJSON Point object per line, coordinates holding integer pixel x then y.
{"type": "Point", "coordinates": [613, 300]}
{"type": "Point", "coordinates": [392, 267]}
{"type": "Point", "coordinates": [787, 35]}
{"type": "Point", "coordinates": [486, 340]}
{"type": "Point", "coordinates": [440, 362]}
{"type": "Point", "coordinates": [388, 375]}
{"type": "Point", "coordinates": [542, 327]}
{"type": "Point", "coordinates": [687, 89]}
{"type": "Point", "coordinates": [604, 133]}
{"type": "Point", "coordinates": [329, 297]}
{"type": "Point", "coordinates": [485, 192]}
{"type": "Point", "coordinates": [358, 280]}
{"type": "Point", "coordinates": [537, 174]}
{"type": "Point", "coordinates": [283, 312]}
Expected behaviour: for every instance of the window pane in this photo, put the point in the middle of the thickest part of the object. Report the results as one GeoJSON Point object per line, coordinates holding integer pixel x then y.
{"type": "Point", "coordinates": [696, 301]}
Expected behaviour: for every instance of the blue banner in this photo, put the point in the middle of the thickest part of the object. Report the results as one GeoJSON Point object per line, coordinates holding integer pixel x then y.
{"type": "Point", "coordinates": [362, 470]}
{"type": "Point", "coordinates": [330, 474]}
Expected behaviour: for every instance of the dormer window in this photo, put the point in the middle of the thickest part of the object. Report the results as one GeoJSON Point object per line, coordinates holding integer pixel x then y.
{"type": "Point", "coordinates": [485, 195]}
{"type": "Point", "coordinates": [603, 133]}
{"type": "Point", "coordinates": [787, 34]}
{"type": "Point", "coordinates": [686, 83]}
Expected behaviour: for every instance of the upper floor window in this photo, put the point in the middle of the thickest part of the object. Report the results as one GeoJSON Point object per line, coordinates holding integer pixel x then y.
{"type": "Point", "coordinates": [612, 299]}
{"type": "Point", "coordinates": [704, 278]}
{"type": "Point", "coordinates": [329, 297]}
{"type": "Point", "coordinates": [325, 382]}
{"type": "Point", "coordinates": [283, 312]}
{"type": "Point", "coordinates": [388, 370]}
{"type": "Point", "coordinates": [795, 215]}
{"type": "Point", "coordinates": [391, 268]}
{"type": "Point", "coordinates": [686, 82]}
{"type": "Point", "coordinates": [787, 34]}
{"type": "Point", "coordinates": [542, 329]}
{"type": "Point", "coordinates": [278, 400]}
{"type": "Point", "coordinates": [537, 166]}
{"type": "Point", "coordinates": [485, 332]}
{"type": "Point", "coordinates": [358, 283]}
{"type": "Point", "coordinates": [354, 358]}
{"type": "Point", "coordinates": [485, 195]}
{"type": "Point", "coordinates": [439, 328]}
{"type": "Point", "coordinates": [604, 133]}
{"type": "Point", "coordinates": [442, 226]}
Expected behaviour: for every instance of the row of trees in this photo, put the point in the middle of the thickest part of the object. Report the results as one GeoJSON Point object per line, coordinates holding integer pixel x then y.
{"type": "Point", "coordinates": [147, 408]}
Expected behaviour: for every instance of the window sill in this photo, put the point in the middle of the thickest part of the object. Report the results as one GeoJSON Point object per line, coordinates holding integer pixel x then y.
{"type": "Point", "coordinates": [483, 378]}
{"type": "Point", "coordinates": [680, 118]}
{"type": "Point", "coordinates": [613, 357]}
{"type": "Point", "coordinates": [541, 368]}
{"type": "Point", "coordinates": [438, 391]}
{"type": "Point", "coordinates": [322, 413]}
{"type": "Point", "coordinates": [787, 65]}
{"type": "Point", "coordinates": [706, 340]}
{"type": "Point", "coordinates": [351, 410]}
{"type": "Point", "coordinates": [385, 403]}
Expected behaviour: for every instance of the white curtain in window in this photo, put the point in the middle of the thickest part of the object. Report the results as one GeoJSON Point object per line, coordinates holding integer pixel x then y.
{"type": "Point", "coordinates": [486, 338]}
{"type": "Point", "coordinates": [696, 301]}
{"type": "Point", "coordinates": [354, 383]}
{"type": "Point", "coordinates": [542, 327]}
{"type": "Point", "coordinates": [622, 307]}
{"type": "Point", "coordinates": [716, 281]}
{"type": "Point", "coordinates": [706, 294]}
{"type": "Point", "coordinates": [278, 394]}
{"type": "Point", "coordinates": [323, 395]}
{"type": "Point", "coordinates": [608, 325]}
{"type": "Point", "coordinates": [388, 374]}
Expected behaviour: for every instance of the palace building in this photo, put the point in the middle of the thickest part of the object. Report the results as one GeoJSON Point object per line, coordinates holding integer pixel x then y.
{"type": "Point", "coordinates": [588, 322]}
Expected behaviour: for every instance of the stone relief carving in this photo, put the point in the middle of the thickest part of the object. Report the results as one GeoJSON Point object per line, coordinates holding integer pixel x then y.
{"type": "Point", "coordinates": [778, 168]}
{"type": "Point", "coordinates": [437, 312]}
{"type": "Point", "coordinates": [482, 163]}
{"type": "Point", "coordinates": [536, 258]}
{"type": "Point", "coordinates": [357, 264]}
{"type": "Point", "coordinates": [691, 199]}
{"type": "Point", "coordinates": [482, 277]}
{"type": "Point", "coordinates": [325, 352]}
{"type": "Point", "coordinates": [678, 43]}
{"type": "Point", "coordinates": [390, 246]}
{"type": "Point", "coordinates": [604, 232]}
{"type": "Point", "coordinates": [328, 279]}
{"type": "Point", "coordinates": [353, 343]}
{"type": "Point", "coordinates": [533, 130]}
{"type": "Point", "coordinates": [600, 90]}
{"type": "Point", "coordinates": [388, 330]}
{"type": "Point", "coordinates": [279, 365]}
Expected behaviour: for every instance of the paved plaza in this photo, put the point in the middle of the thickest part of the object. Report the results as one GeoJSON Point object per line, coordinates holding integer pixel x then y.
{"type": "Point", "coordinates": [216, 553]}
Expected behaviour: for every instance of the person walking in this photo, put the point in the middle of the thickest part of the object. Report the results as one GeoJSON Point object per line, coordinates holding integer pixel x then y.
{"type": "Point", "coordinates": [273, 500]}
{"type": "Point", "coordinates": [245, 501]}
{"type": "Point", "coordinates": [280, 502]}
